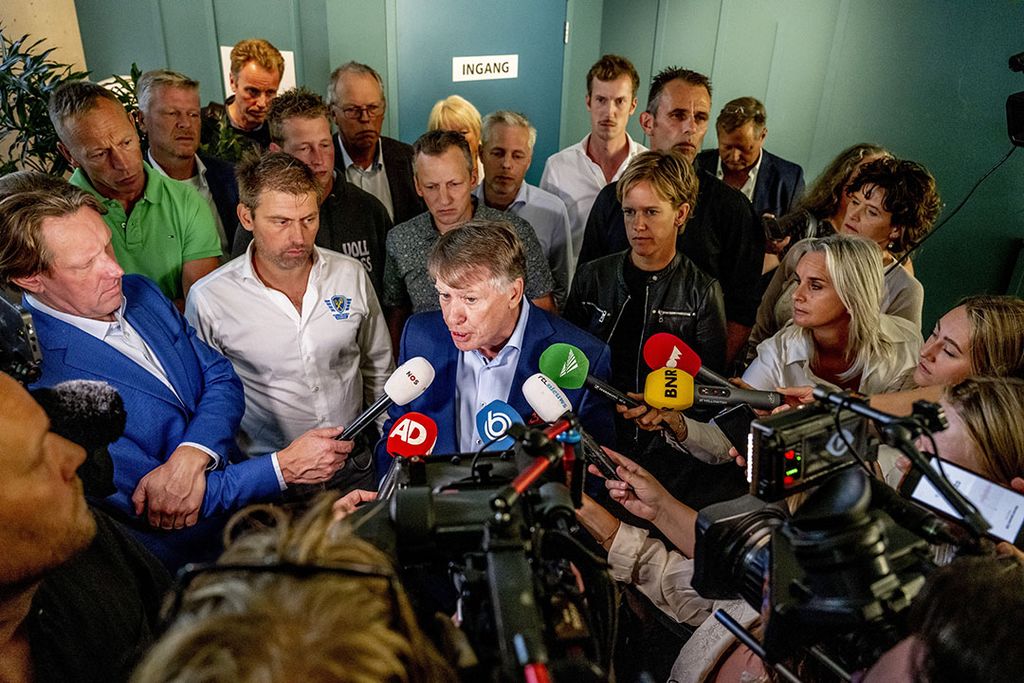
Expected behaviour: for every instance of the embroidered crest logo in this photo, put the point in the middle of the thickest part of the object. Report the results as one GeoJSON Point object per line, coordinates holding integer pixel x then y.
{"type": "Point", "coordinates": [338, 305]}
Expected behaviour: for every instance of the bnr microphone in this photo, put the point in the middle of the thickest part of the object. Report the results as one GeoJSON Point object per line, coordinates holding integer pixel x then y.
{"type": "Point", "coordinates": [664, 350]}
{"type": "Point", "coordinates": [569, 367]}
{"type": "Point", "coordinates": [492, 423]}
{"type": "Point", "coordinates": [90, 414]}
{"type": "Point", "coordinates": [413, 435]}
{"type": "Point", "coordinates": [405, 384]}
{"type": "Point", "coordinates": [673, 389]}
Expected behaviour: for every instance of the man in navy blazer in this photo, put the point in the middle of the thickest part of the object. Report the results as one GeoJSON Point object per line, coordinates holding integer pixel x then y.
{"type": "Point", "coordinates": [175, 486]}
{"type": "Point", "coordinates": [772, 184]}
{"type": "Point", "coordinates": [487, 340]}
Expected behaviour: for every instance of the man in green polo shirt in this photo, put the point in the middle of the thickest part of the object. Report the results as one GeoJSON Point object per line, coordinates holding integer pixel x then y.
{"type": "Point", "coordinates": [161, 228]}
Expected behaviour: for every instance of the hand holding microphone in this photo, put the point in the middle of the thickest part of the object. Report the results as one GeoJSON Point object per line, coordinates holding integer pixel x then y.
{"type": "Point", "coordinates": [406, 383]}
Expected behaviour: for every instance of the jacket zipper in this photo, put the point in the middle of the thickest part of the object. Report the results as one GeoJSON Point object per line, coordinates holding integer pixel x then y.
{"type": "Point", "coordinates": [661, 314]}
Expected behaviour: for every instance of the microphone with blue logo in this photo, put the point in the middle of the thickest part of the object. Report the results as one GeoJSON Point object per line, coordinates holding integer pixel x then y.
{"type": "Point", "coordinates": [492, 424]}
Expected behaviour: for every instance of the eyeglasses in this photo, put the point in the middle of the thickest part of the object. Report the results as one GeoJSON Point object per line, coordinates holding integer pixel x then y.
{"type": "Point", "coordinates": [354, 113]}
{"type": "Point", "coordinates": [187, 574]}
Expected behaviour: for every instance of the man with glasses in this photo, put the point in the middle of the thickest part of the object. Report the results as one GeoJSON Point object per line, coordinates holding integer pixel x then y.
{"type": "Point", "coordinates": [771, 183]}
{"type": "Point", "coordinates": [380, 165]}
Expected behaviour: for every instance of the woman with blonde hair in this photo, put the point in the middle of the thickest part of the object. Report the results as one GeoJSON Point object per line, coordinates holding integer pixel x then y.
{"type": "Point", "coordinates": [457, 114]}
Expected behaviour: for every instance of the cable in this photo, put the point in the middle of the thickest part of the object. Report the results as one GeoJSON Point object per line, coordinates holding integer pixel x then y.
{"type": "Point", "coordinates": [480, 451]}
{"type": "Point", "coordinates": [842, 434]}
{"type": "Point", "coordinates": [959, 206]}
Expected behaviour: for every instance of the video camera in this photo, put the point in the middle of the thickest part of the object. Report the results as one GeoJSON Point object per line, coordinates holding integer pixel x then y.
{"type": "Point", "coordinates": [20, 356]}
{"type": "Point", "coordinates": [491, 531]}
{"type": "Point", "coordinates": [833, 580]}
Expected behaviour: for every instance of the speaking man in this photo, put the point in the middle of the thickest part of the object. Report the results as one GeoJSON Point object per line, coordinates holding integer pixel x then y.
{"type": "Point", "coordinates": [183, 399]}
{"type": "Point", "coordinates": [320, 351]}
{"type": "Point", "coordinates": [487, 339]}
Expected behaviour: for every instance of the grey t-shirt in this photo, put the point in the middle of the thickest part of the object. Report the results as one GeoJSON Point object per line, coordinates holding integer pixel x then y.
{"type": "Point", "coordinates": [406, 280]}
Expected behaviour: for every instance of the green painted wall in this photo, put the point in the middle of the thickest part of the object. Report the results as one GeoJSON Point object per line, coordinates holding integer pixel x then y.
{"type": "Point", "coordinates": [926, 78]}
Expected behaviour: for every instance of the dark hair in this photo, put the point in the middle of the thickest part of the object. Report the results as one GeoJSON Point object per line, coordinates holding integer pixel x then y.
{"type": "Point", "coordinates": [666, 76]}
{"type": "Point", "coordinates": [738, 112]}
{"type": "Point", "coordinates": [910, 196]}
{"type": "Point", "coordinates": [825, 194]}
{"type": "Point", "coordinates": [610, 68]}
{"type": "Point", "coordinates": [436, 142]}
{"type": "Point", "coordinates": [295, 103]}
{"type": "Point", "coordinates": [274, 171]}
{"type": "Point", "coordinates": [968, 620]}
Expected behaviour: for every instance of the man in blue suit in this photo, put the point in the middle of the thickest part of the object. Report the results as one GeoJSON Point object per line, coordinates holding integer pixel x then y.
{"type": "Point", "coordinates": [771, 183]}
{"type": "Point", "coordinates": [487, 340]}
{"type": "Point", "coordinates": [174, 483]}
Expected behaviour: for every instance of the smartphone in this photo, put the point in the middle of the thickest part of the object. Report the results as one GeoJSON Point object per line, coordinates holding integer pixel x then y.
{"type": "Point", "coordinates": [1001, 506]}
{"type": "Point", "coordinates": [735, 424]}
{"type": "Point", "coordinates": [593, 454]}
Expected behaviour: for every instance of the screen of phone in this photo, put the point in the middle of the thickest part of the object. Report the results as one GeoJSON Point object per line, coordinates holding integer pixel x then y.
{"type": "Point", "coordinates": [1002, 507]}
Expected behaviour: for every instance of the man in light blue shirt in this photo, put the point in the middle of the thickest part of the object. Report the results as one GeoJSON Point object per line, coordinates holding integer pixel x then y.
{"type": "Point", "coordinates": [506, 151]}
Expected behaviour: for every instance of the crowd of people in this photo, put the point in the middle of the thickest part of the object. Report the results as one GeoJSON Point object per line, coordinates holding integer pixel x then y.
{"type": "Point", "coordinates": [247, 274]}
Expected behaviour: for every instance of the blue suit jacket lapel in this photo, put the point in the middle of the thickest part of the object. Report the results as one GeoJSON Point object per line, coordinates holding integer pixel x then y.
{"type": "Point", "coordinates": [151, 329]}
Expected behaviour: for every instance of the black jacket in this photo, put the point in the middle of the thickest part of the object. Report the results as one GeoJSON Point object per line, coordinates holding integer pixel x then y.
{"type": "Point", "coordinates": [682, 300]}
{"type": "Point", "coordinates": [398, 165]}
{"type": "Point", "coordinates": [723, 237]}
{"type": "Point", "coordinates": [780, 183]}
{"type": "Point", "coordinates": [220, 176]}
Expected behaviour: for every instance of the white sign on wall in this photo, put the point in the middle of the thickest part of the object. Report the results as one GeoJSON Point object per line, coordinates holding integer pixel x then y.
{"type": "Point", "coordinates": [488, 68]}
{"type": "Point", "coordinates": [287, 79]}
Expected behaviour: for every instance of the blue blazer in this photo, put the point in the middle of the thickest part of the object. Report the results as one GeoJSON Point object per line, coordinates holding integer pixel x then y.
{"type": "Point", "coordinates": [427, 335]}
{"type": "Point", "coordinates": [208, 412]}
{"type": "Point", "coordinates": [780, 183]}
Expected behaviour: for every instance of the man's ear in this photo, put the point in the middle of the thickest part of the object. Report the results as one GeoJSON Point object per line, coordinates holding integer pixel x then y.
{"type": "Point", "coordinates": [66, 153]}
{"type": "Point", "coordinates": [274, 147]}
{"type": "Point", "coordinates": [632, 107]}
{"type": "Point", "coordinates": [646, 122]}
{"type": "Point", "coordinates": [516, 291]}
{"type": "Point", "coordinates": [416, 183]}
{"type": "Point", "coordinates": [244, 216]}
{"type": "Point", "coordinates": [32, 283]}
{"type": "Point", "coordinates": [232, 82]}
{"type": "Point", "coordinates": [764, 133]}
{"type": "Point", "coordinates": [139, 120]}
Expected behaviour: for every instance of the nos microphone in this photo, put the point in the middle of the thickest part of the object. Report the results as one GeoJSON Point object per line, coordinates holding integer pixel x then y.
{"type": "Point", "coordinates": [405, 384]}
{"type": "Point", "coordinates": [674, 389]}
{"type": "Point", "coordinates": [569, 367]}
{"type": "Point", "coordinates": [413, 435]}
{"type": "Point", "coordinates": [90, 414]}
{"type": "Point", "coordinates": [492, 423]}
{"type": "Point", "coordinates": [664, 350]}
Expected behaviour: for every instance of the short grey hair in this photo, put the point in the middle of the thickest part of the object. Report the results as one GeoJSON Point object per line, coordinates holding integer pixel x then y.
{"type": "Point", "coordinates": [161, 78]}
{"type": "Point", "coordinates": [508, 118]}
{"type": "Point", "coordinates": [73, 99]}
{"type": "Point", "coordinates": [352, 68]}
{"type": "Point", "coordinates": [478, 243]}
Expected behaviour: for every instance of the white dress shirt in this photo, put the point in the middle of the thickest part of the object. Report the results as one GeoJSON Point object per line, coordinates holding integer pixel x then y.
{"type": "Point", "coordinates": [122, 337]}
{"type": "Point", "coordinates": [301, 370]}
{"type": "Point", "coordinates": [748, 187]}
{"type": "Point", "coordinates": [547, 215]}
{"type": "Point", "coordinates": [576, 179]}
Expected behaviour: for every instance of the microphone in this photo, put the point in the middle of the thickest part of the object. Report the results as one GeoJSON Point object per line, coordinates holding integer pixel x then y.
{"type": "Point", "coordinates": [674, 389]}
{"type": "Point", "coordinates": [492, 423]}
{"type": "Point", "coordinates": [664, 350]}
{"type": "Point", "coordinates": [92, 415]}
{"type": "Point", "coordinates": [405, 384]}
{"type": "Point", "coordinates": [569, 367]}
{"type": "Point", "coordinates": [413, 435]}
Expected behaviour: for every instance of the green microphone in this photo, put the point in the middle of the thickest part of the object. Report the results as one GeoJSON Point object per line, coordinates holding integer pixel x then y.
{"type": "Point", "coordinates": [568, 367]}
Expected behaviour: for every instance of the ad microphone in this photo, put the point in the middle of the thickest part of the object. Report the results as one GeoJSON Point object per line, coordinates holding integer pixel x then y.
{"type": "Point", "coordinates": [492, 423]}
{"type": "Point", "coordinates": [405, 384]}
{"type": "Point", "coordinates": [673, 389]}
{"type": "Point", "coordinates": [413, 435]}
{"type": "Point", "coordinates": [664, 350]}
{"type": "Point", "coordinates": [569, 367]}
{"type": "Point", "coordinates": [92, 415]}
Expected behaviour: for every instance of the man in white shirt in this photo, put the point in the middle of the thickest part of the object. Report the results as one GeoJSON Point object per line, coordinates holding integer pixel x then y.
{"type": "Point", "coordinates": [301, 325]}
{"type": "Point", "coordinates": [169, 115]}
{"type": "Point", "coordinates": [506, 151]}
{"type": "Point", "coordinates": [578, 173]}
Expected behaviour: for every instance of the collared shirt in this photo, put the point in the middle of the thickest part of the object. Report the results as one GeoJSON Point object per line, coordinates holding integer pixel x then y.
{"type": "Point", "coordinates": [576, 179]}
{"type": "Point", "coordinates": [122, 337]}
{"type": "Point", "coordinates": [373, 179]}
{"type": "Point", "coordinates": [198, 182]}
{"type": "Point", "coordinates": [478, 381]}
{"type": "Point", "coordinates": [548, 217]}
{"type": "Point", "coordinates": [406, 279]}
{"type": "Point", "coordinates": [317, 367]}
{"type": "Point", "coordinates": [748, 187]}
{"type": "Point", "coordinates": [169, 225]}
